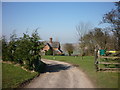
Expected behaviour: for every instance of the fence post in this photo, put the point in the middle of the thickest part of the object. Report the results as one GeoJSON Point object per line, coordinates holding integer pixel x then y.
{"type": "Point", "coordinates": [96, 57]}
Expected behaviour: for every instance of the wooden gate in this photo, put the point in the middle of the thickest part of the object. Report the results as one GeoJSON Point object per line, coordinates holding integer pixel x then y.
{"type": "Point", "coordinates": [110, 61]}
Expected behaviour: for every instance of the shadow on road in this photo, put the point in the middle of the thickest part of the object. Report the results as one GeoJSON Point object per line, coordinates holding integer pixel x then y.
{"type": "Point", "coordinates": [56, 68]}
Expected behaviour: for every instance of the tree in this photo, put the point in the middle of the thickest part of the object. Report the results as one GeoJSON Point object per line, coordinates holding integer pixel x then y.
{"type": "Point", "coordinates": [82, 29]}
{"type": "Point", "coordinates": [69, 48]}
{"type": "Point", "coordinates": [87, 43]}
{"type": "Point", "coordinates": [1, 48]}
{"type": "Point", "coordinates": [12, 47]}
{"type": "Point", "coordinates": [4, 49]}
{"type": "Point", "coordinates": [96, 37]}
{"type": "Point", "coordinates": [113, 18]}
{"type": "Point", "coordinates": [101, 38]}
{"type": "Point", "coordinates": [36, 46]}
{"type": "Point", "coordinates": [22, 53]}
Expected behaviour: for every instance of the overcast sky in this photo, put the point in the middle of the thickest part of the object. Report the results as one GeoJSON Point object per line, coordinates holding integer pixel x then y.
{"type": "Point", "coordinates": [57, 20]}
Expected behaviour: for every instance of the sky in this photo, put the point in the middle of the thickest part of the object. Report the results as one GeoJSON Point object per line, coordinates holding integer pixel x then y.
{"type": "Point", "coordinates": [53, 19]}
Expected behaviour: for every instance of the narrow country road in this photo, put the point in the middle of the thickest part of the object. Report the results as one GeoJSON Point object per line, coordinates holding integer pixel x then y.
{"type": "Point", "coordinates": [60, 75]}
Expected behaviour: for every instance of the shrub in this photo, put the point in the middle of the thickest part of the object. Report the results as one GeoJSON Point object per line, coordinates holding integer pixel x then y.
{"type": "Point", "coordinates": [49, 52]}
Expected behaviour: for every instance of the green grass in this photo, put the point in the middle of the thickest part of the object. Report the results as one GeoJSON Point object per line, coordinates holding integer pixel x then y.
{"type": "Point", "coordinates": [100, 79]}
{"type": "Point", "coordinates": [13, 76]}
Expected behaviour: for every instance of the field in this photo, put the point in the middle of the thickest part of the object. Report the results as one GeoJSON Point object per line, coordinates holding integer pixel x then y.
{"type": "Point", "coordinates": [100, 79]}
{"type": "Point", "coordinates": [13, 76]}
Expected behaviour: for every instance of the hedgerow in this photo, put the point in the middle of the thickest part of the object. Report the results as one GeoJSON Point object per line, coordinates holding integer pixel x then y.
{"type": "Point", "coordinates": [24, 50]}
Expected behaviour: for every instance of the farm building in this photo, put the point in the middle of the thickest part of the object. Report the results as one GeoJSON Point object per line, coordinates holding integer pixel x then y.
{"type": "Point", "coordinates": [52, 48]}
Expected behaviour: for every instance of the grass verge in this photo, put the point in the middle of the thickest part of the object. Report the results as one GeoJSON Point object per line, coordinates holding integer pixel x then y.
{"type": "Point", "coordinates": [100, 79]}
{"type": "Point", "coordinates": [13, 76]}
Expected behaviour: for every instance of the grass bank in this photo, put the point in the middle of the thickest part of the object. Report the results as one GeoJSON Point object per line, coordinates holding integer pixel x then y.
{"type": "Point", "coordinates": [13, 76]}
{"type": "Point", "coordinates": [100, 79]}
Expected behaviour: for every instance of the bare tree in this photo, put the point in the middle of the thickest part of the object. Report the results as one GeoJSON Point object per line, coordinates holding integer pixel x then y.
{"type": "Point", "coordinates": [82, 29]}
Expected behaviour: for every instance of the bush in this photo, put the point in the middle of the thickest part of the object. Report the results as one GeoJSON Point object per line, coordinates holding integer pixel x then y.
{"type": "Point", "coordinates": [49, 52]}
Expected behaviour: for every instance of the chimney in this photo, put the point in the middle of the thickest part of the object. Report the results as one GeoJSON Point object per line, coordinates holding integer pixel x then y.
{"type": "Point", "coordinates": [50, 40]}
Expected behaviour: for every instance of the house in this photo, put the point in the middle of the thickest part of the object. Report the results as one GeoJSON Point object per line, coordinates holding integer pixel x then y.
{"type": "Point", "coordinates": [52, 48]}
